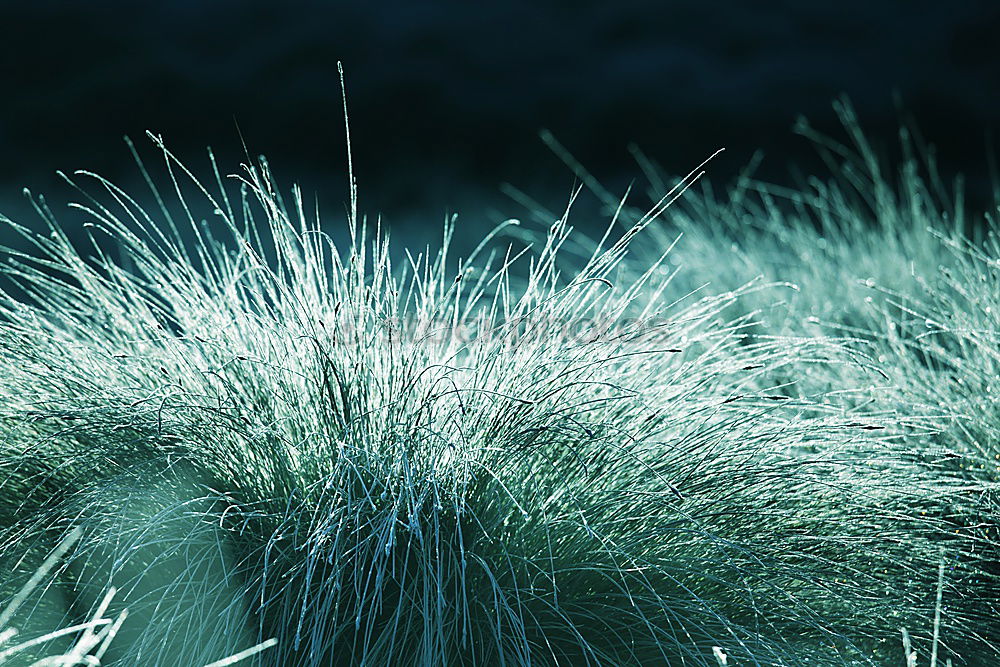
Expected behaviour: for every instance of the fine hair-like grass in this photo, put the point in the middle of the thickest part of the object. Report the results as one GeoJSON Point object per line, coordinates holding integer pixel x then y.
{"type": "Point", "coordinates": [260, 434]}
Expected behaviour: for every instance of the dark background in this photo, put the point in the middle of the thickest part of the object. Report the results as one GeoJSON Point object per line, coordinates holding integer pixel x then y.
{"type": "Point", "coordinates": [446, 98]}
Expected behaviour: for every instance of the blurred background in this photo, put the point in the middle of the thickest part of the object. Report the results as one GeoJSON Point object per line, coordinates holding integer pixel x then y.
{"type": "Point", "coordinates": [447, 98]}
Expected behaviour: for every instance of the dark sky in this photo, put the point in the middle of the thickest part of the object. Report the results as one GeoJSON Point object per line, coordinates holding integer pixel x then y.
{"type": "Point", "coordinates": [447, 97]}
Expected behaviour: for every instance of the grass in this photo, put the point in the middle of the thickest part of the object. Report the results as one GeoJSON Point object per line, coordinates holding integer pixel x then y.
{"type": "Point", "coordinates": [889, 261]}
{"type": "Point", "coordinates": [573, 454]}
{"type": "Point", "coordinates": [87, 642]}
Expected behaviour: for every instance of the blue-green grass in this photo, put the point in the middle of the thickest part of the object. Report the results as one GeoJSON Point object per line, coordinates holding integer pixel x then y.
{"type": "Point", "coordinates": [580, 453]}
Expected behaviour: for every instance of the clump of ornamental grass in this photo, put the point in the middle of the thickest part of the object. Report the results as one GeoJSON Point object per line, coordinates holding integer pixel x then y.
{"type": "Point", "coordinates": [891, 263]}
{"type": "Point", "coordinates": [890, 259]}
{"type": "Point", "coordinates": [259, 433]}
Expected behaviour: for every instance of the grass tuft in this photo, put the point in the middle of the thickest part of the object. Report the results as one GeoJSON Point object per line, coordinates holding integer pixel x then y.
{"type": "Point", "coordinates": [263, 437]}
